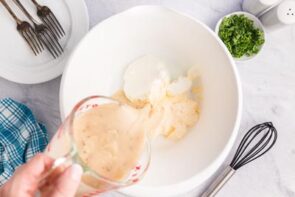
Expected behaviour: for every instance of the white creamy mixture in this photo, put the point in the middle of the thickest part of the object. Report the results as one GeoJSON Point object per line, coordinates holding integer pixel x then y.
{"type": "Point", "coordinates": [147, 81]}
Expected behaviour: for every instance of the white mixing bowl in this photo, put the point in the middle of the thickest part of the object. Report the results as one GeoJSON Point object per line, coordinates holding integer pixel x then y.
{"type": "Point", "coordinates": [97, 67]}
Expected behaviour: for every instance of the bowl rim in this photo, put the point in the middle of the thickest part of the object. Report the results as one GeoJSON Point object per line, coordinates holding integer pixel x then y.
{"type": "Point", "coordinates": [257, 24]}
{"type": "Point", "coordinates": [197, 179]}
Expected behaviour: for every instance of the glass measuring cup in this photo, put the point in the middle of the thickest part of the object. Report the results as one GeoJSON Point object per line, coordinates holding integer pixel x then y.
{"type": "Point", "coordinates": [63, 147]}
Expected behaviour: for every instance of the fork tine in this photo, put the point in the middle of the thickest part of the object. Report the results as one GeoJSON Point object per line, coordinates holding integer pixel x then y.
{"type": "Point", "coordinates": [38, 41]}
{"type": "Point", "coordinates": [25, 36]}
{"type": "Point", "coordinates": [29, 37]}
{"type": "Point", "coordinates": [51, 43]}
{"type": "Point", "coordinates": [35, 40]}
{"type": "Point", "coordinates": [52, 16]}
{"type": "Point", "coordinates": [54, 41]}
{"type": "Point", "coordinates": [33, 37]}
{"type": "Point", "coordinates": [44, 40]}
{"type": "Point", "coordinates": [52, 26]}
{"type": "Point", "coordinates": [53, 48]}
{"type": "Point", "coordinates": [52, 35]}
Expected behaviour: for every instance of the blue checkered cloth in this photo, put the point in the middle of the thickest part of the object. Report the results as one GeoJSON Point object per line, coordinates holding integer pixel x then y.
{"type": "Point", "coordinates": [21, 137]}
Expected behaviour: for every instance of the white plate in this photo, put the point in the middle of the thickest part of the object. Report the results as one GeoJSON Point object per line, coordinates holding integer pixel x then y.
{"type": "Point", "coordinates": [97, 66]}
{"type": "Point", "coordinates": [17, 61]}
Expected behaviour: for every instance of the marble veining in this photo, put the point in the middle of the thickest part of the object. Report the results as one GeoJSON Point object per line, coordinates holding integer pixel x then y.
{"type": "Point", "coordinates": [268, 83]}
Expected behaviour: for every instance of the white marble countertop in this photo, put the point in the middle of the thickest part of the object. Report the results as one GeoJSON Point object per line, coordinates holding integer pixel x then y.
{"type": "Point", "coordinates": [268, 87]}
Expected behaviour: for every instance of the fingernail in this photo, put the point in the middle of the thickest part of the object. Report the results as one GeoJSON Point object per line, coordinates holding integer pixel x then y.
{"type": "Point", "coordinates": [76, 172]}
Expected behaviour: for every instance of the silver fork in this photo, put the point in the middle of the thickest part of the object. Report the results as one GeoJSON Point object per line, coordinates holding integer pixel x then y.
{"type": "Point", "coordinates": [48, 18]}
{"type": "Point", "coordinates": [45, 34]}
{"type": "Point", "coordinates": [26, 30]}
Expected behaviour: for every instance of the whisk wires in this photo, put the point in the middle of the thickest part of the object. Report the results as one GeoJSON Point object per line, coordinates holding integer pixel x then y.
{"type": "Point", "coordinates": [247, 152]}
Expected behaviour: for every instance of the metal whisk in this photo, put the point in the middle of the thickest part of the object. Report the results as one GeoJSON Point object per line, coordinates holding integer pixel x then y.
{"type": "Point", "coordinates": [254, 144]}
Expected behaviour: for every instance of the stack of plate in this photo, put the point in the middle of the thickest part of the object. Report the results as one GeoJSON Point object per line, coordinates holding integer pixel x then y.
{"type": "Point", "coordinates": [18, 63]}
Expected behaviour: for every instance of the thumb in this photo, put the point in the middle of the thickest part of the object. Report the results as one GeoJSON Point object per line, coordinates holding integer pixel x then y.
{"type": "Point", "coordinates": [68, 182]}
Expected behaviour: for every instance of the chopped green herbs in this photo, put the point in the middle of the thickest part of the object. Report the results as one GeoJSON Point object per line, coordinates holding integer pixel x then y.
{"type": "Point", "coordinates": [240, 35]}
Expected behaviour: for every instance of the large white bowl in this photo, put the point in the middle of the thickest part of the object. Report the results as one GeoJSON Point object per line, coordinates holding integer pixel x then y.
{"type": "Point", "coordinates": [97, 66]}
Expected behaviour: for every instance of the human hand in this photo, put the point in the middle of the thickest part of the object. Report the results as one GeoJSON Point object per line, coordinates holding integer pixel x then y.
{"type": "Point", "coordinates": [25, 180]}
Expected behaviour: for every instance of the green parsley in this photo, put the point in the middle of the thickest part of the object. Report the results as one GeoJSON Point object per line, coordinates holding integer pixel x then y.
{"type": "Point", "coordinates": [240, 36]}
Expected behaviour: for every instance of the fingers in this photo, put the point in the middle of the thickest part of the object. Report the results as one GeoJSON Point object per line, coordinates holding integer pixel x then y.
{"type": "Point", "coordinates": [24, 181]}
{"type": "Point", "coordinates": [67, 184]}
{"type": "Point", "coordinates": [37, 166]}
{"type": "Point", "coordinates": [29, 175]}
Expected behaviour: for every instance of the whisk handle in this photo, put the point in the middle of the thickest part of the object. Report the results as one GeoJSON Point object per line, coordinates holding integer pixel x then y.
{"type": "Point", "coordinates": [219, 182]}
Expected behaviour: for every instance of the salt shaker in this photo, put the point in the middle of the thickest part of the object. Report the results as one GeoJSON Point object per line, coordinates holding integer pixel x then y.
{"type": "Point", "coordinates": [259, 7]}
{"type": "Point", "coordinates": [280, 16]}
